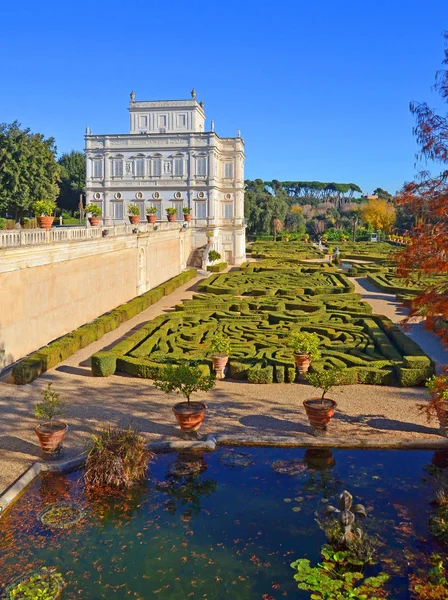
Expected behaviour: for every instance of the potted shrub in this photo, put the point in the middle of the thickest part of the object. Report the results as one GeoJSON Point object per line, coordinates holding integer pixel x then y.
{"type": "Point", "coordinates": [51, 433]}
{"type": "Point", "coordinates": [187, 213]}
{"type": "Point", "coordinates": [213, 256]}
{"type": "Point", "coordinates": [186, 379]}
{"type": "Point", "coordinates": [220, 346]}
{"type": "Point", "coordinates": [134, 214]}
{"type": "Point", "coordinates": [95, 212]}
{"type": "Point", "coordinates": [437, 407]}
{"type": "Point", "coordinates": [209, 235]}
{"type": "Point", "coordinates": [44, 209]}
{"type": "Point", "coordinates": [320, 410]}
{"type": "Point", "coordinates": [151, 214]}
{"type": "Point", "coordinates": [171, 214]}
{"type": "Point", "coordinates": [305, 347]}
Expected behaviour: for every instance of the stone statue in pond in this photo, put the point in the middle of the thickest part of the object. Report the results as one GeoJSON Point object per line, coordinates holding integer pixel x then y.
{"type": "Point", "coordinates": [346, 515]}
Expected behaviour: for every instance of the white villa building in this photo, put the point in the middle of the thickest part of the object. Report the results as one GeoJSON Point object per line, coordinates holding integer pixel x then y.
{"type": "Point", "coordinates": [169, 160]}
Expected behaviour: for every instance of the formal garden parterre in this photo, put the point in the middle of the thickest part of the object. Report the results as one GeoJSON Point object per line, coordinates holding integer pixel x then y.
{"type": "Point", "coordinates": [257, 312]}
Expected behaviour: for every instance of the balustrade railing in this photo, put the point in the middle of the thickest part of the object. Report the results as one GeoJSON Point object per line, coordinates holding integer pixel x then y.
{"type": "Point", "coordinates": [34, 237]}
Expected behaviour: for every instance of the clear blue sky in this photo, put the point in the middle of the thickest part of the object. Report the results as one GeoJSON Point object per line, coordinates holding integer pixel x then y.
{"type": "Point", "coordinates": [319, 88]}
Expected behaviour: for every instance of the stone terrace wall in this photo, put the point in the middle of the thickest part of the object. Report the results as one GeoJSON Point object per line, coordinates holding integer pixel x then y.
{"type": "Point", "coordinates": [47, 291]}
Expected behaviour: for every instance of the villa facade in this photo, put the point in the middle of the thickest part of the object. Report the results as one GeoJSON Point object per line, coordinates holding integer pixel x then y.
{"type": "Point", "coordinates": [169, 160]}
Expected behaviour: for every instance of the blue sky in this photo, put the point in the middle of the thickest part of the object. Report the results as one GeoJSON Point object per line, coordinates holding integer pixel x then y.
{"type": "Point", "coordinates": [319, 88]}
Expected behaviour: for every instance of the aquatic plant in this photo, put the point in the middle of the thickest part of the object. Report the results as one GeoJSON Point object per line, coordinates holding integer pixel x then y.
{"type": "Point", "coordinates": [433, 585]}
{"type": "Point", "coordinates": [117, 458]}
{"type": "Point", "coordinates": [332, 579]}
{"type": "Point", "coordinates": [346, 516]}
{"type": "Point", "coordinates": [45, 584]}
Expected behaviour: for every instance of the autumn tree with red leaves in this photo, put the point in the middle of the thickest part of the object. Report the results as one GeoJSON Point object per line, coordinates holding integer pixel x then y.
{"type": "Point", "coordinates": [427, 199]}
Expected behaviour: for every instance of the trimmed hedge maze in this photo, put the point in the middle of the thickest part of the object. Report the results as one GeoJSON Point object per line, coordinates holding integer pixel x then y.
{"type": "Point", "coordinates": [284, 250]}
{"type": "Point", "coordinates": [258, 312]}
{"type": "Point", "coordinates": [378, 252]}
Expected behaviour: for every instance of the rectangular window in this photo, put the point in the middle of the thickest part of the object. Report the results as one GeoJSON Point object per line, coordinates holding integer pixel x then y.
{"type": "Point", "coordinates": [143, 122]}
{"type": "Point", "coordinates": [162, 120]}
{"type": "Point", "coordinates": [228, 170]}
{"type": "Point", "coordinates": [179, 214]}
{"type": "Point", "coordinates": [140, 167]}
{"type": "Point", "coordinates": [158, 205]}
{"type": "Point", "coordinates": [178, 166]}
{"type": "Point", "coordinates": [97, 168]}
{"type": "Point", "coordinates": [181, 121]}
{"type": "Point", "coordinates": [201, 166]}
{"type": "Point", "coordinates": [118, 210]}
{"type": "Point", "coordinates": [228, 210]}
{"type": "Point", "coordinates": [201, 210]}
{"type": "Point", "coordinates": [157, 166]}
{"type": "Point", "coordinates": [117, 168]}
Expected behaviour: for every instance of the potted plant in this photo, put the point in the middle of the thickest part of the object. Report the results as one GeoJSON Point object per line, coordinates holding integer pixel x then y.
{"type": "Point", "coordinates": [320, 410]}
{"type": "Point", "coordinates": [134, 214]}
{"type": "Point", "coordinates": [51, 433]}
{"type": "Point", "coordinates": [44, 209]}
{"type": "Point", "coordinates": [151, 214]}
{"type": "Point", "coordinates": [209, 235]}
{"type": "Point", "coordinates": [220, 346]}
{"type": "Point", "coordinates": [305, 347]}
{"type": "Point", "coordinates": [213, 256]}
{"type": "Point", "coordinates": [186, 379]}
{"type": "Point", "coordinates": [171, 214]}
{"type": "Point", "coordinates": [187, 213]}
{"type": "Point", "coordinates": [438, 404]}
{"type": "Point", "coordinates": [95, 212]}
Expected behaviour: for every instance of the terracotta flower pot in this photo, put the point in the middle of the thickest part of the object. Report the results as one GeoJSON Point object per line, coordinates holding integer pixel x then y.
{"type": "Point", "coordinates": [45, 222]}
{"type": "Point", "coordinates": [303, 362]}
{"type": "Point", "coordinates": [51, 436]}
{"type": "Point", "coordinates": [94, 221]}
{"type": "Point", "coordinates": [442, 415]}
{"type": "Point", "coordinates": [219, 364]}
{"type": "Point", "coordinates": [189, 416]}
{"type": "Point", "coordinates": [319, 412]}
{"type": "Point", "coordinates": [171, 218]}
{"type": "Point", "coordinates": [134, 219]}
{"type": "Point", "coordinates": [151, 218]}
{"type": "Point", "coordinates": [187, 217]}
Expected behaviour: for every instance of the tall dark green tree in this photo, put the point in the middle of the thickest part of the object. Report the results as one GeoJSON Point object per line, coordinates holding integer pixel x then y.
{"type": "Point", "coordinates": [73, 181]}
{"type": "Point", "coordinates": [29, 170]}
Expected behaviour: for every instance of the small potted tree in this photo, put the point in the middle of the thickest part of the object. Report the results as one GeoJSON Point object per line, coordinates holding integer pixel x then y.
{"type": "Point", "coordinates": [44, 209]}
{"type": "Point", "coordinates": [186, 379]}
{"type": "Point", "coordinates": [437, 407]}
{"type": "Point", "coordinates": [220, 346]}
{"type": "Point", "coordinates": [320, 410]}
{"type": "Point", "coordinates": [187, 213]}
{"type": "Point", "coordinates": [171, 214]}
{"type": "Point", "coordinates": [151, 214]}
{"type": "Point", "coordinates": [95, 214]}
{"type": "Point", "coordinates": [51, 433]}
{"type": "Point", "coordinates": [209, 235]}
{"type": "Point", "coordinates": [213, 256]}
{"type": "Point", "coordinates": [305, 347]}
{"type": "Point", "coordinates": [134, 214]}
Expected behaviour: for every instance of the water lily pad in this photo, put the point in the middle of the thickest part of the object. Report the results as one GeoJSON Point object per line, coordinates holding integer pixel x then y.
{"type": "Point", "coordinates": [288, 467]}
{"type": "Point", "coordinates": [287, 500]}
{"type": "Point", "coordinates": [61, 515]}
{"type": "Point", "coordinates": [296, 509]}
{"type": "Point", "coordinates": [44, 583]}
{"type": "Point", "coordinates": [184, 468]}
{"type": "Point", "coordinates": [236, 459]}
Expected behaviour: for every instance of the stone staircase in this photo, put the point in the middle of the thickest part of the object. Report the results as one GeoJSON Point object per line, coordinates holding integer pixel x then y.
{"type": "Point", "coordinates": [196, 258]}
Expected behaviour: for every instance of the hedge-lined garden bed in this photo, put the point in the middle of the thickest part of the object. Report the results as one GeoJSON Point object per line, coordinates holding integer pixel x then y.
{"type": "Point", "coordinates": [370, 348]}
{"type": "Point", "coordinates": [217, 268]}
{"type": "Point", "coordinates": [284, 250]}
{"type": "Point", "coordinates": [37, 363]}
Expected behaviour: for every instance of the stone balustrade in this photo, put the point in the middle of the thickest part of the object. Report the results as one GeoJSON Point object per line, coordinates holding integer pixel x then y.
{"type": "Point", "coordinates": [34, 237]}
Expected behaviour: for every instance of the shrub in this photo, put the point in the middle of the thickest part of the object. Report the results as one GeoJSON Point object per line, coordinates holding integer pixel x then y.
{"type": "Point", "coordinates": [118, 458]}
{"type": "Point", "coordinates": [325, 379]}
{"type": "Point", "coordinates": [133, 210]}
{"type": "Point", "coordinates": [50, 406]}
{"type": "Point", "coordinates": [44, 208]}
{"type": "Point", "coordinates": [104, 364]}
{"type": "Point", "coordinates": [220, 344]}
{"type": "Point", "coordinates": [3, 223]}
{"type": "Point", "coordinates": [171, 211]}
{"type": "Point", "coordinates": [151, 210]}
{"type": "Point", "coordinates": [186, 210]}
{"type": "Point", "coordinates": [184, 379]}
{"type": "Point", "coordinates": [213, 256]}
{"type": "Point", "coordinates": [93, 209]}
{"type": "Point", "coordinates": [217, 268]}
{"type": "Point", "coordinates": [302, 342]}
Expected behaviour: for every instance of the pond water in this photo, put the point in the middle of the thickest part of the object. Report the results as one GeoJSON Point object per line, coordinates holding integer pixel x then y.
{"type": "Point", "coordinates": [229, 531]}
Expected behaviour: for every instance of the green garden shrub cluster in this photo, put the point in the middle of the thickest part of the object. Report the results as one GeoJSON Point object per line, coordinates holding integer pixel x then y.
{"type": "Point", "coordinates": [32, 366]}
{"type": "Point", "coordinates": [284, 250]}
{"type": "Point", "coordinates": [392, 284]}
{"type": "Point", "coordinates": [258, 312]}
{"type": "Point", "coordinates": [217, 268]}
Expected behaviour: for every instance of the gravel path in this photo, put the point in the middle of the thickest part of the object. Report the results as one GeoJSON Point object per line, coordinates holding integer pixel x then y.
{"type": "Point", "coordinates": [234, 407]}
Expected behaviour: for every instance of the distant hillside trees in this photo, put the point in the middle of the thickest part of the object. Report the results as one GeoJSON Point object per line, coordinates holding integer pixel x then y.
{"type": "Point", "coordinates": [29, 170]}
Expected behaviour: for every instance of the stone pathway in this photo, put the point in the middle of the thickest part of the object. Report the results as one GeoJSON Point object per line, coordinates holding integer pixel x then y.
{"type": "Point", "coordinates": [388, 305]}
{"type": "Point", "coordinates": [235, 408]}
